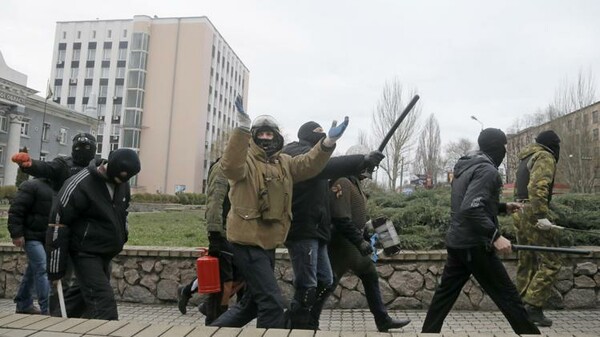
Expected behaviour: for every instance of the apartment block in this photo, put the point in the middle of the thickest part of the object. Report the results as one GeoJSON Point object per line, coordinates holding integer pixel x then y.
{"type": "Point", "coordinates": [164, 87]}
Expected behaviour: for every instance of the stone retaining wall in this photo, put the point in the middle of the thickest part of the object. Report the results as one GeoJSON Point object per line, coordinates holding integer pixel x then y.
{"type": "Point", "coordinates": [408, 280]}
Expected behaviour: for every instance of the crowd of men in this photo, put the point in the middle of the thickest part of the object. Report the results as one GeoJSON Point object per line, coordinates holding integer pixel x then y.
{"type": "Point", "coordinates": [261, 195]}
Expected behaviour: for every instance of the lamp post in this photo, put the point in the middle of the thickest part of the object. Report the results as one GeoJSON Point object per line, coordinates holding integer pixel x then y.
{"type": "Point", "coordinates": [478, 121]}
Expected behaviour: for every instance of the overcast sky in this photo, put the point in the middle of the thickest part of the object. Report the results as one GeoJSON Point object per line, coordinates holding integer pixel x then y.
{"type": "Point", "coordinates": [321, 60]}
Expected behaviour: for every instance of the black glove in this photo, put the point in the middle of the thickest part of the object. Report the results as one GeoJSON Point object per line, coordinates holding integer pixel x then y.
{"type": "Point", "coordinates": [373, 159]}
{"type": "Point", "coordinates": [365, 248]}
{"type": "Point", "coordinates": [216, 244]}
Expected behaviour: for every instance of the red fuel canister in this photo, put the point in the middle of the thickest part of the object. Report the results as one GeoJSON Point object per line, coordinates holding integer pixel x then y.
{"type": "Point", "coordinates": [209, 279]}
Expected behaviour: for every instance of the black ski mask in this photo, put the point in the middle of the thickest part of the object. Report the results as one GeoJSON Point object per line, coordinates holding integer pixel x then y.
{"type": "Point", "coordinates": [122, 165]}
{"type": "Point", "coordinates": [307, 133]}
{"type": "Point", "coordinates": [492, 142]}
{"type": "Point", "coordinates": [84, 149]}
{"type": "Point", "coordinates": [550, 140]}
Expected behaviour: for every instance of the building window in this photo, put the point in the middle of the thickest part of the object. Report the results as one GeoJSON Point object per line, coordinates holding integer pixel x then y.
{"type": "Point", "coordinates": [131, 138]}
{"type": "Point", "coordinates": [1, 155]}
{"type": "Point", "coordinates": [62, 136]}
{"type": "Point", "coordinates": [72, 90]}
{"type": "Point", "coordinates": [64, 35]}
{"type": "Point", "coordinates": [122, 54]}
{"type": "Point", "coordinates": [89, 72]}
{"type": "Point", "coordinates": [104, 72]}
{"type": "Point", "coordinates": [103, 90]}
{"type": "Point", "coordinates": [595, 116]}
{"type": "Point", "coordinates": [87, 90]}
{"type": "Point", "coordinates": [61, 56]}
{"type": "Point", "coordinates": [93, 34]}
{"type": "Point", "coordinates": [124, 32]}
{"type": "Point", "coordinates": [3, 124]}
{"type": "Point", "coordinates": [74, 73]}
{"type": "Point", "coordinates": [100, 130]}
{"type": "Point", "coordinates": [42, 156]}
{"type": "Point", "coordinates": [120, 72]}
{"type": "Point", "coordinates": [114, 146]}
{"type": "Point", "coordinates": [101, 110]}
{"type": "Point", "coordinates": [595, 134]}
{"type": "Point", "coordinates": [45, 130]}
{"type": "Point", "coordinates": [106, 54]}
{"type": "Point", "coordinates": [118, 90]}
{"type": "Point", "coordinates": [76, 54]}
{"type": "Point", "coordinates": [91, 56]}
{"type": "Point", "coordinates": [109, 33]}
{"type": "Point", "coordinates": [116, 111]}
{"type": "Point", "coordinates": [57, 89]}
{"type": "Point", "coordinates": [60, 72]}
{"type": "Point", "coordinates": [25, 128]}
{"type": "Point", "coordinates": [71, 106]}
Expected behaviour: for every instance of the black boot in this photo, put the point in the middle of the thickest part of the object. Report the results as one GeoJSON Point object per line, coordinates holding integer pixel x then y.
{"type": "Point", "coordinates": [300, 308]}
{"type": "Point", "coordinates": [383, 321]}
{"type": "Point", "coordinates": [184, 293]}
{"type": "Point", "coordinates": [323, 292]}
{"type": "Point", "coordinates": [536, 315]}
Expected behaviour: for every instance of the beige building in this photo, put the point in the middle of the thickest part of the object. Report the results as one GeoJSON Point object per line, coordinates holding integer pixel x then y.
{"type": "Point", "coordinates": [164, 87]}
{"type": "Point", "coordinates": [579, 164]}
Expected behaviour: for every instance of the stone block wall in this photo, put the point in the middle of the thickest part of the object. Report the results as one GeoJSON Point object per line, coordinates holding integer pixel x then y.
{"type": "Point", "coordinates": [407, 281]}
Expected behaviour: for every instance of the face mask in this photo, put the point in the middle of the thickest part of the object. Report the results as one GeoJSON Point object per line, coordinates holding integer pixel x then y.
{"type": "Point", "coordinates": [122, 165]}
{"type": "Point", "coordinates": [83, 150]}
{"type": "Point", "coordinates": [314, 137]}
{"type": "Point", "coordinates": [497, 155]}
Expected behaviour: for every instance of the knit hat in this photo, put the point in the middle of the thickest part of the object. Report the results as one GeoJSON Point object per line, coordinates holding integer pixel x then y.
{"type": "Point", "coordinates": [122, 165]}
{"type": "Point", "coordinates": [307, 133]}
{"type": "Point", "coordinates": [492, 142]}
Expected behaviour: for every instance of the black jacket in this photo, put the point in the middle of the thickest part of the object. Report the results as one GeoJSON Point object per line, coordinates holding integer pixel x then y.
{"type": "Point", "coordinates": [98, 223]}
{"type": "Point", "coordinates": [57, 170]}
{"type": "Point", "coordinates": [475, 202]}
{"type": "Point", "coordinates": [29, 210]}
{"type": "Point", "coordinates": [310, 198]}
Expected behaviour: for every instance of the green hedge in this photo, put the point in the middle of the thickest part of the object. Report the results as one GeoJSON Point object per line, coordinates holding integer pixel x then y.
{"type": "Point", "coordinates": [422, 218]}
{"type": "Point", "coordinates": [179, 198]}
{"type": "Point", "coordinates": [7, 192]}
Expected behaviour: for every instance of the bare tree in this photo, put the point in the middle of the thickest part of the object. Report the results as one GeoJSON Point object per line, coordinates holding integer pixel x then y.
{"type": "Point", "coordinates": [428, 157]}
{"type": "Point", "coordinates": [455, 150]}
{"type": "Point", "coordinates": [389, 107]}
{"type": "Point", "coordinates": [577, 163]}
{"type": "Point", "coordinates": [568, 97]}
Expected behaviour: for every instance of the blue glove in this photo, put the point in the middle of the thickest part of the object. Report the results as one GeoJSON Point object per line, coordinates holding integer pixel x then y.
{"type": "Point", "coordinates": [335, 132]}
{"type": "Point", "coordinates": [239, 104]}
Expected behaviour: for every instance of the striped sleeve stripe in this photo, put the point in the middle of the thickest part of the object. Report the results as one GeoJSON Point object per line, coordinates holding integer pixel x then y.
{"type": "Point", "coordinates": [72, 184]}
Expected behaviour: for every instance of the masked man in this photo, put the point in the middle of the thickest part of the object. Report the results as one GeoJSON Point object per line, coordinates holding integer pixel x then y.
{"type": "Point", "coordinates": [261, 180]}
{"type": "Point", "coordinates": [537, 271]}
{"type": "Point", "coordinates": [92, 206]}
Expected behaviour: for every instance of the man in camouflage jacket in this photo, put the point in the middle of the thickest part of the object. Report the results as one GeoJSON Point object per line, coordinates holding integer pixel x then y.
{"type": "Point", "coordinates": [536, 271]}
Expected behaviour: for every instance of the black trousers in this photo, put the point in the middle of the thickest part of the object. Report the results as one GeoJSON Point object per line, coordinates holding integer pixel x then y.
{"type": "Point", "coordinates": [93, 274]}
{"type": "Point", "coordinates": [262, 298]}
{"type": "Point", "coordinates": [74, 304]}
{"type": "Point", "coordinates": [489, 271]}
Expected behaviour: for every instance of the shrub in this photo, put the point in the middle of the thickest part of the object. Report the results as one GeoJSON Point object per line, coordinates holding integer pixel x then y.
{"type": "Point", "coordinates": [179, 198]}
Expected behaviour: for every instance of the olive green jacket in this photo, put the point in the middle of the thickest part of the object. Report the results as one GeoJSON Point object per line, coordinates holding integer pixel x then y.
{"type": "Point", "coordinates": [216, 192]}
{"type": "Point", "coordinates": [261, 188]}
{"type": "Point", "coordinates": [542, 167]}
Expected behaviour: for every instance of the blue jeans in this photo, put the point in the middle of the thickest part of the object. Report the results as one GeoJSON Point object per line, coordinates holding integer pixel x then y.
{"type": "Point", "coordinates": [35, 277]}
{"type": "Point", "coordinates": [310, 262]}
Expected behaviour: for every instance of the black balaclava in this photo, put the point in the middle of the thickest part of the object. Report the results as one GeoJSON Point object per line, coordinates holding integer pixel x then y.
{"type": "Point", "coordinates": [122, 165]}
{"type": "Point", "coordinates": [307, 133]}
{"type": "Point", "coordinates": [550, 140]}
{"type": "Point", "coordinates": [84, 148]}
{"type": "Point", "coordinates": [492, 142]}
{"type": "Point", "coordinates": [267, 123]}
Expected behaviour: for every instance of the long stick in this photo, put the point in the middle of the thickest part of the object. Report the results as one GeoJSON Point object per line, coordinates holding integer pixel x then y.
{"type": "Point", "coordinates": [390, 133]}
{"type": "Point", "coordinates": [551, 249]}
{"type": "Point", "coordinates": [61, 299]}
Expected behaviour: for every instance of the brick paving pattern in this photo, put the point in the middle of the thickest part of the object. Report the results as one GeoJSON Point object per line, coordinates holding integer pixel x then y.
{"type": "Point", "coordinates": [155, 320]}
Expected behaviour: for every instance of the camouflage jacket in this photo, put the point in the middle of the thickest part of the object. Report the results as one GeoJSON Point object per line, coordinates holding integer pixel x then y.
{"type": "Point", "coordinates": [217, 202]}
{"type": "Point", "coordinates": [542, 167]}
{"type": "Point", "coordinates": [261, 188]}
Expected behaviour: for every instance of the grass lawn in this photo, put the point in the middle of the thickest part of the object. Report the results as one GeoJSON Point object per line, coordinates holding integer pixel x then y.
{"type": "Point", "coordinates": [170, 229]}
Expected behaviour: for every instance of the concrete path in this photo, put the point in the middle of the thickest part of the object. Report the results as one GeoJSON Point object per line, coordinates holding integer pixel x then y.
{"type": "Point", "coordinates": [141, 320]}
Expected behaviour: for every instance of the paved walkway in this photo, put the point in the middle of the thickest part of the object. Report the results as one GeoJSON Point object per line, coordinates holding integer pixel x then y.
{"type": "Point", "coordinates": [166, 320]}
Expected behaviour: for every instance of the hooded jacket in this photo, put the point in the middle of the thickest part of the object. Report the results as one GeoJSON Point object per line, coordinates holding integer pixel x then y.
{"type": "Point", "coordinates": [535, 179]}
{"type": "Point", "coordinates": [98, 222]}
{"type": "Point", "coordinates": [29, 209]}
{"type": "Point", "coordinates": [258, 183]}
{"type": "Point", "coordinates": [310, 200]}
{"type": "Point", "coordinates": [475, 202]}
